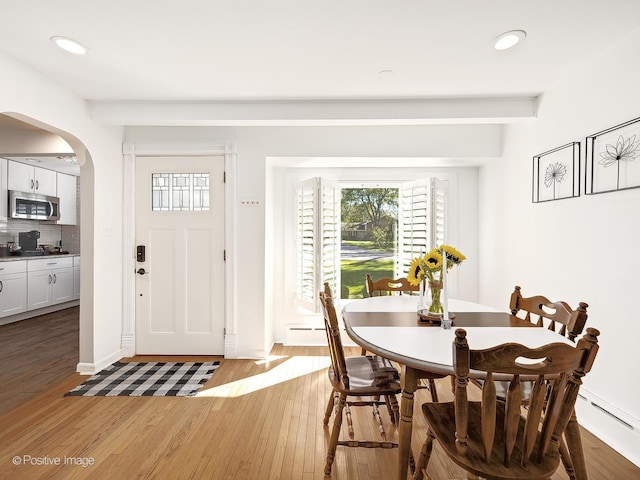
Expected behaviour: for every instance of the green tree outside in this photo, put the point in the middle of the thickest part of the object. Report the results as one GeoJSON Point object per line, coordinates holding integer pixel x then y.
{"type": "Point", "coordinates": [369, 204]}
{"type": "Point", "coordinates": [377, 209]}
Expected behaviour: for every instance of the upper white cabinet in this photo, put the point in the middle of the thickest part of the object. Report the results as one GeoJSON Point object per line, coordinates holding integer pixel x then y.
{"type": "Point", "coordinates": [27, 178]}
{"type": "Point", "coordinates": [46, 181]}
{"type": "Point", "coordinates": [67, 193]}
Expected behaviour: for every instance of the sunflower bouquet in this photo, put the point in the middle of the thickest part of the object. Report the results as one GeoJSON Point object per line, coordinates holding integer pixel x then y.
{"type": "Point", "coordinates": [428, 268]}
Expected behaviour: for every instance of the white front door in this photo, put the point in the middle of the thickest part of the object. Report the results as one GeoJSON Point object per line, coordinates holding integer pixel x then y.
{"type": "Point", "coordinates": [180, 232]}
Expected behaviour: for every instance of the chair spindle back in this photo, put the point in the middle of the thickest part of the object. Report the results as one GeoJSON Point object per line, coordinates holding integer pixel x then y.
{"type": "Point", "coordinates": [389, 286]}
{"type": "Point", "coordinates": [559, 365]}
{"type": "Point", "coordinates": [555, 315]}
{"type": "Point", "coordinates": [332, 328]}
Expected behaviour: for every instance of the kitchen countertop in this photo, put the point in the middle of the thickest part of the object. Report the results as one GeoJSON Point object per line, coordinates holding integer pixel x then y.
{"type": "Point", "coordinates": [13, 258]}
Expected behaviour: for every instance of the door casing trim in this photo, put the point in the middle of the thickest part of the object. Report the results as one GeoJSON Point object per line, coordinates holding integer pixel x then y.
{"type": "Point", "coordinates": [130, 151]}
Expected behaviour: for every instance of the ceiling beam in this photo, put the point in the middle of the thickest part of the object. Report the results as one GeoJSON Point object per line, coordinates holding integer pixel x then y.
{"type": "Point", "coordinates": [316, 113]}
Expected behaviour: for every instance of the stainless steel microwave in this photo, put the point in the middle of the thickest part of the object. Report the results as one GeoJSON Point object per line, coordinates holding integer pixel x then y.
{"type": "Point", "coordinates": [32, 206]}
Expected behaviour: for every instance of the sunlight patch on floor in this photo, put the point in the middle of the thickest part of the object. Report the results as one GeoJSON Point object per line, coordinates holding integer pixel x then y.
{"type": "Point", "coordinates": [271, 358]}
{"type": "Point", "coordinates": [292, 368]}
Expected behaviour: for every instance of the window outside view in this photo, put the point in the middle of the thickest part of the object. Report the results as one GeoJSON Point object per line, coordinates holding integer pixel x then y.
{"type": "Point", "coordinates": [369, 226]}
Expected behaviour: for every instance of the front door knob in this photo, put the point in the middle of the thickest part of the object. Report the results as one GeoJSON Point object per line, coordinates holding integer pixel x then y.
{"type": "Point", "coordinates": [141, 271]}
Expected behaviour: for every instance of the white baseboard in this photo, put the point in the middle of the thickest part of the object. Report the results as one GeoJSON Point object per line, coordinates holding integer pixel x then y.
{"type": "Point", "coordinates": [230, 346]}
{"type": "Point", "coordinates": [252, 354]}
{"type": "Point", "coordinates": [92, 368]}
{"type": "Point", "coordinates": [613, 426]}
{"type": "Point", "coordinates": [128, 344]}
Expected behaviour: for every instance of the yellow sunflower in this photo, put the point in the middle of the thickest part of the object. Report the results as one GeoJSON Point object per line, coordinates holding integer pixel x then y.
{"type": "Point", "coordinates": [453, 255]}
{"type": "Point", "coordinates": [427, 267]}
{"type": "Point", "coordinates": [416, 274]}
{"type": "Point", "coordinates": [433, 260]}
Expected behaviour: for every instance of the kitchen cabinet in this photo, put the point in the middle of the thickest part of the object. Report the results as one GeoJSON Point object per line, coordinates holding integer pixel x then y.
{"type": "Point", "coordinates": [67, 194]}
{"type": "Point", "coordinates": [49, 281]}
{"type": "Point", "coordinates": [27, 178]}
{"type": "Point", "coordinates": [62, 287]}
{"type": "Point", "coordinates": [13, 287]}
{"type": "Point", "coordinates": [76, 278]}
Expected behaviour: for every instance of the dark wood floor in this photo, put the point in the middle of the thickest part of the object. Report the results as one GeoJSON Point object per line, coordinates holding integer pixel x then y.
{"type": "Point", "coordinates": [36, 354]}
{"type": "Point", "coordinates": [252, 420]}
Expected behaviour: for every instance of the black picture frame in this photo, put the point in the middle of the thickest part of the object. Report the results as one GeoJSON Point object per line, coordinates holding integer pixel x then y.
{"type": "Point", "coordinates": [617, 147]}
{"type": "Point", "coordinates": [556, 174]}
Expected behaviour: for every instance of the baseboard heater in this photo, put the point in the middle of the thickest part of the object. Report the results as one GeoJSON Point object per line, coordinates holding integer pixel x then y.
{"type": "Point", "coordinates": [311, 334]}
{"type": "Point", "coordinates": [607, 412]}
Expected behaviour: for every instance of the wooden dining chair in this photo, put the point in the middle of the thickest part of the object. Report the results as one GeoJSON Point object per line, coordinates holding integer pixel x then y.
{"type": "Point", "coordinates": [556, 316]}
{"type": "Point", "coordinates": [540, 311]}
{"type": "Point", "coordinates": [371, 380]}
{"type": "Point", "coordinates": [492, 438]}
{"type": "Point", "coordinates": [389, 286]}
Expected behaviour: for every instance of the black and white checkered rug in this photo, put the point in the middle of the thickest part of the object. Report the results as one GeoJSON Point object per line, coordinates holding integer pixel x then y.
{"type": "Point", "coordinates": [147, 379]}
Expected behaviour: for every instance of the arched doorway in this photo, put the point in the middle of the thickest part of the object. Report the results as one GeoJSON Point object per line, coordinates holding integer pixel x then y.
{"type": "Point", "coordinates": [24, 140]}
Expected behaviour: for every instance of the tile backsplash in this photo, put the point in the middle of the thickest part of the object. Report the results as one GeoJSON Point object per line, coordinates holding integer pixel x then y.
{"type": "Point", "coordinates": [71, 238]}
{"type": "Point", "coordinates": [49, 234]}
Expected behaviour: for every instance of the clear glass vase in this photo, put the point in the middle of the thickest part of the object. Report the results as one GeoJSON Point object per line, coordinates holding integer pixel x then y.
{"type": "Point", "coordinates": [422, 301]}
{"type": "Point", "coordinates": [435, 287]}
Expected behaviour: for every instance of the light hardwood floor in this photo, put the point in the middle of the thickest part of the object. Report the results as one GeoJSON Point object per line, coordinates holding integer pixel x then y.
{"type": "Point", "coordinates": [253, 420]}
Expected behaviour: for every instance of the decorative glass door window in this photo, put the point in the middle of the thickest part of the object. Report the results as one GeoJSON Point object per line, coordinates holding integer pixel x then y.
{"type": "Point", "coordinates": [178, 192]}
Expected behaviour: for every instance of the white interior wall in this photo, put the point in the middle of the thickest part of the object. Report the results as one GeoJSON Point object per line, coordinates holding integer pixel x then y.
{"type": "Point", "coordinates": [579, 249]}
{"type": "Point", "coordinates": [32, 97]}
{"type": "Point", "coordinates": [256, 303]}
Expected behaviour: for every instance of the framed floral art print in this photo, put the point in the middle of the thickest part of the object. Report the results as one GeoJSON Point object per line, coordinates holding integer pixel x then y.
{"type": "Point", "coordinates": [556, 173]}
{"type": "Point", "coordinates": [613, 159]}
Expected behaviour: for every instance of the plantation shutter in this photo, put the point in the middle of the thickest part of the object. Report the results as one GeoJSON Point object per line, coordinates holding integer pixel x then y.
{"type": "Point", "coordinates": [421, 221]}
{"type": "Point", "coordinates": [330, 230]}
{"type": "Point", "coordinates": [317, 242]}
{"type": "Point", "coordinates": [305, 243]}
{"type": "Point", "coordinates": [413, 223]}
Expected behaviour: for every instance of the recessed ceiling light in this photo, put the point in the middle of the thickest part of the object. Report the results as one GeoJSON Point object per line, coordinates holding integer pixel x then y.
{"type": "Point", "coordinates": [386, 74]}
{"type": "Point", "coordinates": [69, 45]}
{"type": "Point", "coordinates": [508, 39]}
